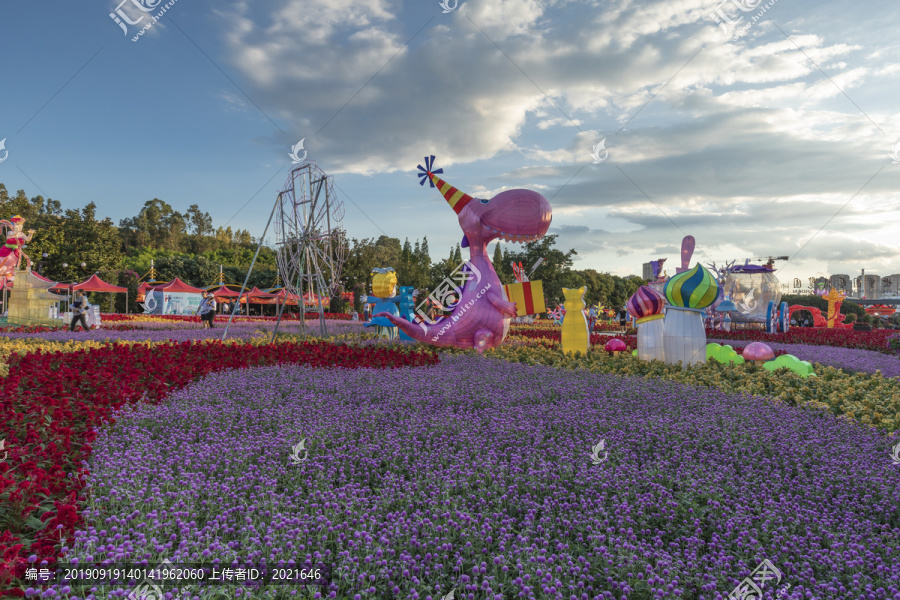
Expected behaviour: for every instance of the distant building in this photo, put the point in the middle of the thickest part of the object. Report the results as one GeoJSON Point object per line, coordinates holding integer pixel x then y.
{"type": "Point", "coordinates": [841, 283]}
{"type": "Point", "coordinates": [871, 285]}
{"type": "Point", "coordinates": [647, 270]}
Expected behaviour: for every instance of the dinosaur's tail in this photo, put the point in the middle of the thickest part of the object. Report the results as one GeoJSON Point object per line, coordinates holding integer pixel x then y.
{"type": "Point", "coordinates": [426, 334]}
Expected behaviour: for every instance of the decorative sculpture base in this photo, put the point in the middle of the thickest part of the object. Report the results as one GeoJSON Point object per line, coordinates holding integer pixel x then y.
{"type": "Point", "coordinates": [684, 338]}
{"type": "Point", "coordinates": [31, 300]}
{"type": "Point", "coordinates": [650, 332]}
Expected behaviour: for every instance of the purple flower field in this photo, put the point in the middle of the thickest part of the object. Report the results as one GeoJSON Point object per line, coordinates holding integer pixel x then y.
{"type": "Point", "coordinates": [851, 359]}
{"type": "Point", "coordinates": [477, 476]}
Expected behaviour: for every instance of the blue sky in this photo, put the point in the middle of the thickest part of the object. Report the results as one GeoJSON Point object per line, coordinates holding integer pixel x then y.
{"type": "Point", "coordinates": [775, 141]}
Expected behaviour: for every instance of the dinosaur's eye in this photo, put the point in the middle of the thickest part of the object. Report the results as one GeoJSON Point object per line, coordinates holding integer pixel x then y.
{"type": "Point", "coordinates": [485, 201]}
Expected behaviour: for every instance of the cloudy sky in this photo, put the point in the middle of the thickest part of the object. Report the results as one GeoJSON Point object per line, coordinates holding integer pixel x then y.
{"type": "Point", "coordinates": [767, 133]}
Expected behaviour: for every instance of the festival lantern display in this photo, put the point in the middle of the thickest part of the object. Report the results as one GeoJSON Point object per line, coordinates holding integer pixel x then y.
{"type": "Point", "coordinates": [646, 305]}
{"type": "Point", "coordinates": [557, 314]}
{"type": "Point", "coordinates": [688, 294]}
{"type": "Point", "coordinates": [758, 353]}
{"type": "Point", "coordinates": [834, 298]}
{"type": "Point", "coordinates": [726, 307]}
{"type": "Point", "coordinates": [482, 313]}
{"type": "Point", "coordinates": [575, 335]}
{"type": "Point", "coordinates": [615, 346]}
{"type": "Point", "coordinates": [11, 253]}
{"type": "Point", "coordinates": [528, 295]}
{"type": "Point", "coordinates": [687, 251]}
{"type": "Point", "coordinates": [406, 307]}
{"type": "Point", "coordinates": [384, 297]}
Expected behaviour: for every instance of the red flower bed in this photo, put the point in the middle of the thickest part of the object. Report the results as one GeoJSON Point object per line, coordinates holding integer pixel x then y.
{"type": "Point", "coordinates": [112, 317]}
{"type": "Point", "coordinates": [600, 341]}
{"type": "Point", "coordinates": [29, 329]}
{"type": "Point", "coordinates": [54, 401]}
{"type": "Point", "coordinates": [609, 327]}
{"type": "Point", "coordinates": [816, 336]}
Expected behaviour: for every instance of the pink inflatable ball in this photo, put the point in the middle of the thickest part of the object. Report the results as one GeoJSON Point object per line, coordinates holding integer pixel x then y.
{"type": "Point", "coordinates": [758, 353]}
{"type": "Point", "coordinates": [615, 346]}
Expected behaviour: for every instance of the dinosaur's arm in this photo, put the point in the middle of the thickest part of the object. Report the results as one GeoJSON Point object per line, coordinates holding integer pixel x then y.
{"type": "Point", "coordinates": [505, 307]}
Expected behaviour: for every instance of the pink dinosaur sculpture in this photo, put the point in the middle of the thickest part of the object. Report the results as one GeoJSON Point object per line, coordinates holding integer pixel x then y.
{"type": "Point", "coordinates": [482, 315]}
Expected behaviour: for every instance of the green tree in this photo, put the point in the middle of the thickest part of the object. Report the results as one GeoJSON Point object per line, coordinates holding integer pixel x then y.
{"type": "Point", "coordinates": [387, 252]}
{"type": "Point", "coordinates": [200, 228]}
{"type": "Point", "coordinates": [193, 270]}
{"type": "Point", "coordinates": [157, 226]}
{"type": "Point", "coordinates": [128, 278]}
{"type": "Point", "coordinates": [360, 262]}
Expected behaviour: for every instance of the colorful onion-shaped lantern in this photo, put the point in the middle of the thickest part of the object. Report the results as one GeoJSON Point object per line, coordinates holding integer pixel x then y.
{"type": "Point", "coordinates": [645, 302]}
{"type": "Point", "coordinates": [694, 289]}
{"type": "Point", "coordinates": [688, 294]}
{"type": "Point", "coordinates": [646, 305]}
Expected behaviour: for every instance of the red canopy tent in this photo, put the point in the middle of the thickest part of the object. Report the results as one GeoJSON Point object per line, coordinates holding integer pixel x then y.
{"type": "Point", "coordinates": [282, 297]}
{"type": "Point", "coordinates": [257, 294]}
{"type": "Point", "coordinates": [92, 284]}
{"type": "Point", "coordinates": [95, 284]}
{"type": "Point", "coordinates": [223, 292]}
{"type": "Point", "coordinates": [177, 286]}
{"type": "Point", "coordinates": [310, 299]}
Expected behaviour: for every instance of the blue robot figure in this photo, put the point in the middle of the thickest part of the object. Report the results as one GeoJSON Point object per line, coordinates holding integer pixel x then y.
{"type": "Point", "coordinates": [407, 308]}
{"type": "Point", "coordinates": [384, 290]}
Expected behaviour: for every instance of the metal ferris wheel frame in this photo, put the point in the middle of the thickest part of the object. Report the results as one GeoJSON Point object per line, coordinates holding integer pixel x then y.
{"type": "Point", "coordinates": [311, 246]}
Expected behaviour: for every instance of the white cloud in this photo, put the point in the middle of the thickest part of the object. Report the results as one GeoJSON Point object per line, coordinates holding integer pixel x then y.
{"type": "Point", "coordinates": [748, 142]}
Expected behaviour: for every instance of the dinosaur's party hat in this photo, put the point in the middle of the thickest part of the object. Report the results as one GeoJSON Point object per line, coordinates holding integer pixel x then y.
{"type": "Point", "coordinates": [457, 199]}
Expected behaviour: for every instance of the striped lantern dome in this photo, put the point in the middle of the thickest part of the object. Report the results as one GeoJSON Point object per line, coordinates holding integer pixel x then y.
{"type": "Point", "coordinates": [695, 289]}
{"type": "Point", "coordinates": [645, 302]}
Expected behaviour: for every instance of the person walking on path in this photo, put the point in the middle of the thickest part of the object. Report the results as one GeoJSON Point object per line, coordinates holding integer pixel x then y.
{"type": "Point", "coordinates": [207, 310]}
{"type": "Point", "coordinates": [80, 307]}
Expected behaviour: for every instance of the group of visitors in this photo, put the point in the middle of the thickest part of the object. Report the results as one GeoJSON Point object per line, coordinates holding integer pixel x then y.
{"type": "Point", "coordinates": [802, 322]}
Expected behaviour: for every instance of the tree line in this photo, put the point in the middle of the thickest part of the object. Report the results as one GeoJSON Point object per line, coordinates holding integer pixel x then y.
{"type": "Point", "coordinates": [71, 244]}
